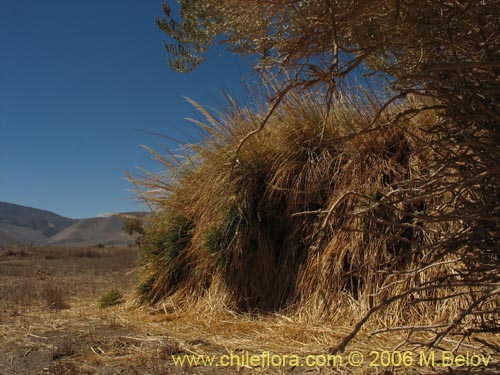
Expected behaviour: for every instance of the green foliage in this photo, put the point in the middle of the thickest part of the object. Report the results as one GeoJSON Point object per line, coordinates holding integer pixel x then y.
{"type": "Point", "coordinates": [193, 35]}
{"type": "Point", "coordinates": [162, 242]}
{"type": "Point", "coordinates": [111, 298]}
{"type": "Point", "coordinates": [133, 224]}
{"type": "Point", "coordinates": [214, 239]}
{"type": "Point", "coordinates": [164, 237]}
{"type": "Point", "coordinates": [145, 287]}
{"type": "Point", "coordinates": [327, 40]}
{"type": "Point", "coordinates": [217, 238]}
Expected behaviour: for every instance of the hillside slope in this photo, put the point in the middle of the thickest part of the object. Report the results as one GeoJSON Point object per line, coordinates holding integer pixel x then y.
{"type": "Point", "coordinates": [25, 224]}
{"type": "Point", "coordinates": [93, 231]}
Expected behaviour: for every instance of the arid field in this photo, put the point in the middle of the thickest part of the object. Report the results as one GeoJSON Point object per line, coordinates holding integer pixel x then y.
{"type": "Point", "coordinates": [51, 323]}
{"type": "Point", "coordinates": [334, 209]}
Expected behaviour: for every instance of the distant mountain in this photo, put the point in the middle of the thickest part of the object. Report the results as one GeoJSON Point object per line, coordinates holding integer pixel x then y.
{"type": "Point", "coordinates": [26, 224]}
{"type": "Point", "coordinates": [21, 224]}
{"type": "Point", "coordinates": [93, 231]}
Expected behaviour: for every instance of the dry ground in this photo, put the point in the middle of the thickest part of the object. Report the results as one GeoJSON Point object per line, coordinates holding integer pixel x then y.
{"type": "Point", "coordinates": [50, 323]}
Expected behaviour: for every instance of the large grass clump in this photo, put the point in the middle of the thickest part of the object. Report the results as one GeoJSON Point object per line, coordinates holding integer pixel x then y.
{"type": "Point", "coordinates": [306, 219]}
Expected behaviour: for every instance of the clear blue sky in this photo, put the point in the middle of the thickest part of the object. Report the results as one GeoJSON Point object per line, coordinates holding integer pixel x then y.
{"type": "Point", "coordinates": [79, 80]}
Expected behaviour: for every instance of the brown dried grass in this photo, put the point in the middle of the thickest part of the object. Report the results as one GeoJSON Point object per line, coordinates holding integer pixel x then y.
{"type": "Point", "coordinates": [312, 221]}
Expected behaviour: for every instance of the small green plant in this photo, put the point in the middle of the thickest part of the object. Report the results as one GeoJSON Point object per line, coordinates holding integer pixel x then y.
{"type": "Point", "coordinates": [132, 225]}
{"type": "Point", "coordinates": [146, 286]}
{"type": "Point", "coordinates": [213, 239]}
{"type": "Point", "coordinates": [161, 246]}
{"type": "Point", "coordinates": [111, 298]}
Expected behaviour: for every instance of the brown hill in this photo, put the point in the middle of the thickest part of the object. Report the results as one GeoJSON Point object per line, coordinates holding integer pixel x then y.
{"type": "Point", "coordinates": [29, 225]}
{"type": "Point", "coordinates": [93, 231]}
{"type": "Point", "coordinates": [21, 224]}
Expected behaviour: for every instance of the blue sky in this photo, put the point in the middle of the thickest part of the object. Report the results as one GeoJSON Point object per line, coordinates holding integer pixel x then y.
{"type": "Point", "coordinates": [80, 82]}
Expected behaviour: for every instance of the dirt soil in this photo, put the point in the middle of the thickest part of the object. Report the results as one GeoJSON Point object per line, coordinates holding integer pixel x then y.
{"type": "Point", "coordinates": [50, 323]}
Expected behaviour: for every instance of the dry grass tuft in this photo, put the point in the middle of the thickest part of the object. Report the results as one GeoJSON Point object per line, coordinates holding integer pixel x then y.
{"type": "Point", "coordinates": [311, 220]}
{"type": "Point", "coordinates": [127, 339]}
{"type": "Point", "coordinates": [263, 234]}
{"type": "Point", "coordinates": [55, 298]}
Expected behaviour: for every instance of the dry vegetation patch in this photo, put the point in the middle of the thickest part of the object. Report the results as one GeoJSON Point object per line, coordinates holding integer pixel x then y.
{"type": "Point", "coordinates": [314, 231]}
{"type": "Point", "coordinates": [126, 339]}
